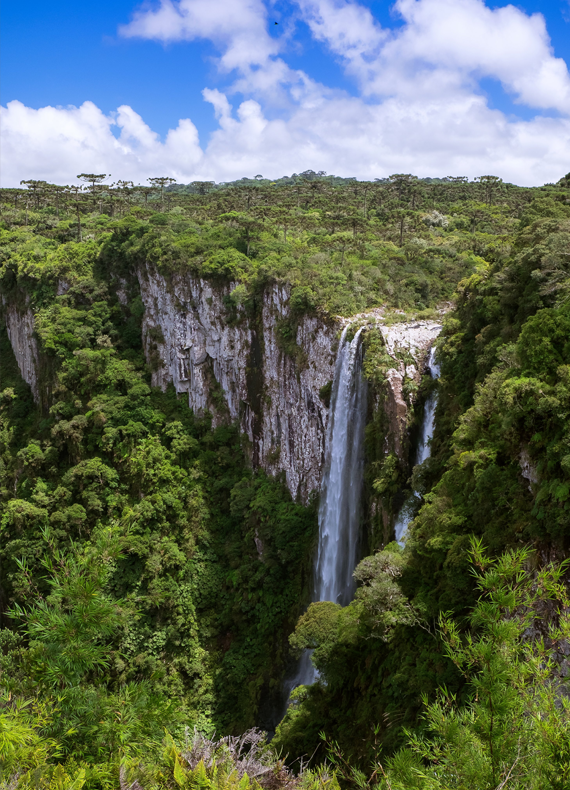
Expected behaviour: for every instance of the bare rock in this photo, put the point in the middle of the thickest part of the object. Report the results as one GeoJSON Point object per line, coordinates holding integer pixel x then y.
{"type": "Point", "coordinates": [528, 469]}
{"type": "Point", "coordinates": [19, 320]}
{"type": "Point", "coordinates": [238, 372]}
{"type": "Point", "coordinates": [408, 344]}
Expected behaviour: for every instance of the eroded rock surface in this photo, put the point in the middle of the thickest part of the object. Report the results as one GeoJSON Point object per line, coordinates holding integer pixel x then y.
{"type": "Point", "coordinates": [188, 342]}
{"type": "Point", "coordinates": [409, 345]}
{"type": "Point", "coordinates": [237, 371]}
{"type": "Point", "coordinates": [234, 366]}
{"type": "Point", "coordinates": [528, 469]}
{"type": "Point", "coordinates": [19, 320]}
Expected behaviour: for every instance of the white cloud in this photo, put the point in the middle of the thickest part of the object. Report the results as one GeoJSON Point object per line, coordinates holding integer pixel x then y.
{"type": "Point", "coordinates": [239, 29]}
{"type": "Point", "coordinates": [345, 136]}
{"type": "Point", "coordinates": [468, 37]}
{"type": "Point", "coordinates": [444, 45]}
{"type": "Point", "coordinates": [220, 103]}
{"type": "Point", "coordinates": [237, 26]}
{"type": "Point", "coordinates": [350, 30]}
{"type": "Point", "coordinates": [420, 109]}
{"type": "Point", "coordinates": [55, 144]}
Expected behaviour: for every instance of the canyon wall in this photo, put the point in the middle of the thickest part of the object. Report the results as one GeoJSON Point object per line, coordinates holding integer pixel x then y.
{"type": "Point", "coordinates": [257, 367]}
{"type": "Point", "coordinates": [408, 344]}
{"type": "Point", "coordinates": [233, 365]}
{"type": "Point", "coordinates": [19, 320]}
{"type": "Point", "coordinates": [237, 369]}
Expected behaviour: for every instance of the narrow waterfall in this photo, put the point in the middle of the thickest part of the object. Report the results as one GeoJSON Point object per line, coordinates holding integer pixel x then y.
{"type": "Point", "coordinates": [410, 506]}
{"type": "Point", "coordinates": [341, 489]}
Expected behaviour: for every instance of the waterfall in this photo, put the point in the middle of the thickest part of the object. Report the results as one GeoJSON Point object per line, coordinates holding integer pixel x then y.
{"type": "Point", "coordinates": [339, 511]}
{"type": "Point", "coordinates": [423, 452]}
{"type": "Point", "coordinates": [341, 489]}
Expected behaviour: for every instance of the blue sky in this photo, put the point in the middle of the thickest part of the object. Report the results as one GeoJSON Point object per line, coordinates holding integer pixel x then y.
{"type": "Point", "coordinates": [65, 52]}
{"type": "Point", "coordinates": [389, 91]}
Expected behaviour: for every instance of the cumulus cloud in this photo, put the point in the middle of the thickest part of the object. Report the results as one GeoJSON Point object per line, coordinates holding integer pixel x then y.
{"type": "Point", "coordinates": [237, 26]}
{"type": "Point", "coordinates": [55, 144]}
{"type": "Point", "coordinates": [466, 36]}
{"type": "Point", "coordinates": [239, 29]}
{"type": "Point", "coordinates": [350, 30]}
{"type": "Point", "coordinates": [344, 135]}
{"type": "Point", "coordinates": [444, 44]}
{"type": "Point", "coordinates": [419, 107]}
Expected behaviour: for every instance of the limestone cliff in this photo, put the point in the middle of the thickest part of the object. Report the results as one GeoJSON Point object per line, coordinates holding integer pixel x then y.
{"type": "Point", "coordinates": [392, 418]}
{"type": "Point", "coordinates": [234, 366]}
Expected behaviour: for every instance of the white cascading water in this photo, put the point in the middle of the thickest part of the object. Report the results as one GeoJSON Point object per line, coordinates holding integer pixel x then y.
{"type": "Point", "coordinates": [341, 489]}
{"type": "Point", "coordinates": [410, 506]}
{"type": "Point", "coordinates": [339, 511]}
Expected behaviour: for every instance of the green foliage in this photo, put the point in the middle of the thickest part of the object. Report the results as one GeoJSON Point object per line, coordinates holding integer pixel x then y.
{"type": "Point", "coordinates": [505, 477]}
{"type": "Point", "coordinates": [514, 728]}
{"type": "Point", "coordinates": [377, 361]}
{"type": "Point", "coordinates": [228, 263]}
{"type": "Point", "coordinates": [68, 630]}
{"type": "Point", "coordinates": [323, 625]}
{"type": "Point", "coordinates": [241, 763]}
{"type": "Point", "coordinates": [383, 606]}
{"type": "Point", "coordinates": [150, 579]}
{"type": "Point", "coordinates": [499, 471]}
{"type": "Point", "coordinates": [146, 522]}
{"type": "Point", "coordinates": [387, 481]}
{"type": "Point", "coordinates": [342, 246]}
{"type": "Point", "coordinates": [21, 745]}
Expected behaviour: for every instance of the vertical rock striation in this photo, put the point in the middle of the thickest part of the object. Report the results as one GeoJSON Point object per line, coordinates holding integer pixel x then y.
{"type": "Point", "coordinates": [188, 343]}
{"type": "Point", "coordinates": [294, 414]}
{"type": "Point", "coordinates": [19, 320]}
{"type": "Point", "coordinates": [235, 365]}
{"type": "Point", "coordinates": [237, 370]}
{"type": "Point", "coordinates": [408, 345]}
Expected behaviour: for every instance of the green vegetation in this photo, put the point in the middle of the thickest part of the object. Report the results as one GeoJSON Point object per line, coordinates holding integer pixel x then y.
{"type": "Point", "coordinates": [512, 730]}
{"type": "Point", "coordinates": [498, 472]}
{"type": "Point", "coordinates": [343, 247]}
{"type": "Point", "coordinates": [130, 572]}
{"type": "Point", "coordinates": [135, 601]}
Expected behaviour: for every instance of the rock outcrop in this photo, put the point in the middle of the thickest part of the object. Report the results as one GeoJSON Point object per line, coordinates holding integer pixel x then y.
{"type": "Point", "coordinates": [234, 367]}
{"type": "Point", "coordinates": [528, 469]}
{"type": "Point", "coordinates": [19, 320]}
{"type": "Point", "coordinates": [237, 370]}
{"type": "Point", "coordinates": [237, 366]}
{"type": "Point", "coordinates": [408, 345]}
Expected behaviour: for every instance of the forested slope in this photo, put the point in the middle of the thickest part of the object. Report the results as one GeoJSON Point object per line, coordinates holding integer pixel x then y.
{"type": "Point", "coordinates": [499, 472]}
{"type": "Point", "coordinates": [150, 577]}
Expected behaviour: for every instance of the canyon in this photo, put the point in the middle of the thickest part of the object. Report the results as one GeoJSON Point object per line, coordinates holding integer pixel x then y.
{"type": "Point", "coordinates": [239, 371]}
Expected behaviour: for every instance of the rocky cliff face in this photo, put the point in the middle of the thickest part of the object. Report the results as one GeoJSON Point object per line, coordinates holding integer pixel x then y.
{"type": "Point", "coordinates": [234, 367]}
{"type": "Point", "coordinates": [19, 320]}
{"type": "Point", "coordinates": [391, 415]}
{"type": "Point", "coordinates": [408, 345]}
{"type": "Point", "coordinates": [232, 364]}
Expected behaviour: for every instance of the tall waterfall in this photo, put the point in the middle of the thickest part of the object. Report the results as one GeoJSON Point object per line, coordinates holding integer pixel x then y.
{"type": "Point", "coordinates": [341, 489]}
{"type": "Point", "coordinates": [423, 452]}
{"type": "Point", "coordinates": [339, 511]}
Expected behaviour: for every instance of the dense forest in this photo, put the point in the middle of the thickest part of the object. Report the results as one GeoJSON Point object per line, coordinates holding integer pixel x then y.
{"type": "Point", "coordinates": [144, 632]}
